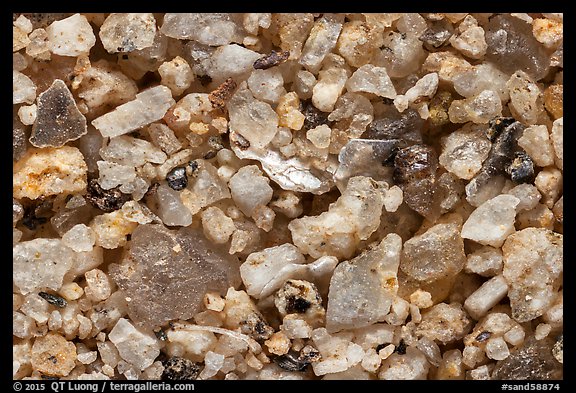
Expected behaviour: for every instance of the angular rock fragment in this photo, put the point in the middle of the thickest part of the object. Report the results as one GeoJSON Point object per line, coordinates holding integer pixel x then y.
{"type": "Point", "coordinates": [479, 109]}
{"type": "Point", "coordinates": [264, 272]}
{"type": "Point", "coordinates": [352, 218]}
{"type": "Point", "coordinates": [149, 106]}
{"type": "Point", "coordinates": [250, 189]}
{"type": "Point", "coordinates": [205, 188]}
{"type": "Point", "coordinates": [170, 207]}
{"type": "Point", "coordinates": [464, 151]}
{"type": "Point", "coordinates": [526, 100]}
{"type": "Point", "coordinates": [295, 173]}
{"type": "Point", "coordinates": [533, 360]}
{"type": "Point", "coordinates": [415, 173]}
{"type": "Point", "coordinates": [212, 29]}
{"type": "Point", "coordinates": [137, 348]}
{"type": "Point", "coordinates": [40, 264]}
{"type": "Point", "coordinates": [49, 171]}
{"type": "Point", "coordinates": [242, 313]}
{"type": "Point", "coordinates": [492, 222]}
{"type": "Point", "coordinates": [444, 323]}
{"type": "Point", "coordinates": [230, 61]}
{"type": "Point", "coordinates": [255, 120]}
{"type": "Point", "coordinates": [533, 262]}
{"type": "Point", "coordinates": [371, 79]}
{"type": "Point", "coordinates": [72, 36]}
{"type": "Point", "coordinates": [130, 151]}
{"type": "Point", "coordinates": [23, 89]}
{"type": "Point", "coordinates": [425, 87]}
{"type": "Point", "coordinates": [437, 34]}
{"type": "Point", "coordinates": [53, 355]}
{"type": "Point", "coordinates": [127, 32]}
{"type": "Point", "coordinates": [166, 273]}
{"type": "Point", "coordinates": [271, 60]}
{"type": "Point", "coordinates": [362, 289]}
{"type": "Point", "coordinates": [321, 41]}
{"type": "Point", "coordinates": [437, 253]}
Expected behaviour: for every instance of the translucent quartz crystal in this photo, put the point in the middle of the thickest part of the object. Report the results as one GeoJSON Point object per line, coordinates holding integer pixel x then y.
{"type": "Point", "coordinates": [205, 188]}
{"type": "Point", "coordinates": [331, 81]}
{"type": "Point", "coordinates": [49, 171]}
{"type": "Point", "coordinates": [425, 87]}
{"type": "Point", "coordinates": [354, 111]}
{"type": "Point", "coordinates": [478, 109]}
{"type": "Point", "coordinates": [411, 366]}
{"type": "Point", "coordinates": [533, 360]}
{"type": "Point", "coordinates": [23, 89]}
{"type": "Point", "coordinates": [127, 32]}
{"type": "Point", "coordinates": [492, 222]}
{"type": "Point", "coordinates": [174, 288]}
{"type": "Point", "coordinates": [338, 231]}
{"type": "Point", "coordinates": [321, 41]}
{"type": "Point", "coordinates": [170, 207]}
{"type": "Point", "coordinates": [362, 289]}
{"type": "Point", "coordinates": [149, 106]}
{"type": "Point", "coordinates": [557, 135]}
{"type": "Point", "coordinates": [58, 119]}
{"type": "Point", "coordinates": [164, 138]}
{"type": "Point", "coordinates": [126, 150]}
{"type": "Point", "coordinates": [512, 47]}
{"type": "Point", "coordinates": [486, 297]}
{"type": "Point", "coordinates": [134, 346]}
{"type": "Point", "coordinates": [295, 173]}
{"type": "Point", "coordinates": [402, 54]}
{"type": "Point", "coordinates": [267, 85]}
{"type": "Point", "coordinates": [485, 76]}
{"type": "Point", "coordinates": [470, 40]}
{"type": "Point", "coordinates": [359, 157]}
{"type": "Point", "coordinates": [250, 189]}
{"type": "Point", "coordinates": [176, 75]}
{"type": "Point", "coordinates": [255, 120]}
{"type": "Point", "coordinates": [357, 42]}
{"type": "Point", "coordinates": [112, 175]}
{"type": "Point", "coordinates": [526, 99]}
{"type": "Point", "coordinates": [71, 36]}
{"type": "Point", "coordinates": [464, 151]}
{"type": "Point", "coordinates": [485, 261]}
{"type": "Point", "coordinates": [371, 79]}
{"type": "Point", "coordinates": [212, 29]}
{"type": "Point", "coordinates": [533, 261]}
{"type": "Point", "coordinates": [52, 347]}
{"type": "Point", "coordinates": [444, 323]}
{"type": "Point", "coordinates": [264, 272]}
{"type": "Point", "coordinates": [435, 254]}
{"type": "Point", "coordinates": [230, 61]}
{"type": "Point", "coordinates": [79, 238]}
{"type": "Point", "coordinates": [102, 84]}
{"type": "Point", "coordinates": [536, 142]}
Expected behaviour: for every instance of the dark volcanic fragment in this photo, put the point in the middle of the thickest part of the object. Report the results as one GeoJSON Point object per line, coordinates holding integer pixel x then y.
{"type": "Point", "coordinates": [105, 200]}
{"type": "Point", "coordinates": [58, 119]}
{"type": "Point", "coordinates": [179, 369]}
{"type": "Point", "coordinates": [506, 157]}
{"type": "Point", "coordinates": [271, 60]}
